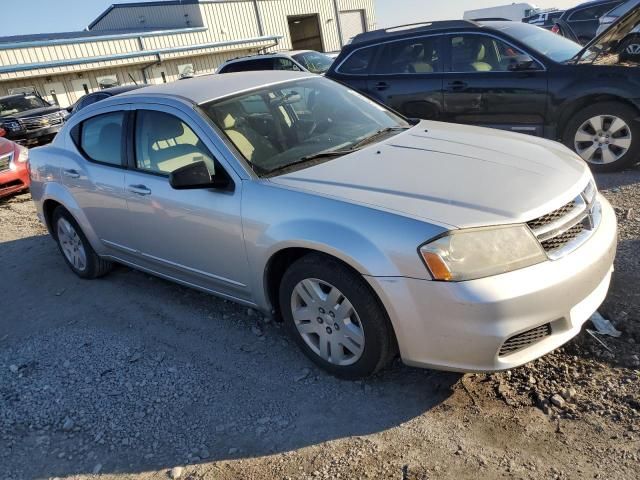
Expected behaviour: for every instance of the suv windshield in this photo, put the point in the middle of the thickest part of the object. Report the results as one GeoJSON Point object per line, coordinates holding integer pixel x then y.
{"type": "Point", "coordinates": [292, 124]}
{"type": "Point", "coordinates": [12, 105]}
{"type": "Point", "coordinates": [315, 62]}
{"type": "Point", "coordinates": [556, 47]}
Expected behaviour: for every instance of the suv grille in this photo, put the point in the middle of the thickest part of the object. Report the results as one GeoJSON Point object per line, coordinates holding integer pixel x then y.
{"type": "Point", "coordinates": [525, 339]}
{"type": "Point", "coordinates": [565, 229]}
{"type": "Point", "coordinates": [5, 161]}
{"type": "Point", "coordinates": [43, 121]}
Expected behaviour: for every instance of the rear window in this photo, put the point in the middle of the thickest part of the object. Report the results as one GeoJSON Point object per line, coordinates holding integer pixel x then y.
{"type": "Point", "coordinates": [101, 138]}
{"type": "Point", "coordinates": [248, 66]}
{"type": "Point", "coordinates": [358, 62]}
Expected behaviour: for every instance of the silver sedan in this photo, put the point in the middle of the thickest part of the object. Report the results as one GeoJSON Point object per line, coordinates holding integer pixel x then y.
{"type": "Point", "coordinates": [370, 236]}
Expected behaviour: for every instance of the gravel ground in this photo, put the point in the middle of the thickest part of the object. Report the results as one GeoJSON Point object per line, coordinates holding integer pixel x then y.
{"type": "Point", "coordinates": [134, 377]}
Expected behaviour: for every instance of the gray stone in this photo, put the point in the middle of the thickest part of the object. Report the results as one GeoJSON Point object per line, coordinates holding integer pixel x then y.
{"type": "Point", "coordinates": [558, 401]}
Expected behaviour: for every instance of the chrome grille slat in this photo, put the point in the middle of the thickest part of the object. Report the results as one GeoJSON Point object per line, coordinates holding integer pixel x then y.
{"type": "Point", "coordinates": [565, 229]}
{"type": "Point", "coordinates": [41, 121]}
{"type": "Point", "coordinates": [524, 339]}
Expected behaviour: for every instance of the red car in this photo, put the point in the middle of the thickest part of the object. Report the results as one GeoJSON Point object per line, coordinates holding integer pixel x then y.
{"type": "Point", "coordinates": [14, 171]}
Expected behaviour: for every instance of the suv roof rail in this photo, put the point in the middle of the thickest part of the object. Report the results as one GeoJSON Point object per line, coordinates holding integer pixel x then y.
{"type": "Point", "coordinates": [412, 28]}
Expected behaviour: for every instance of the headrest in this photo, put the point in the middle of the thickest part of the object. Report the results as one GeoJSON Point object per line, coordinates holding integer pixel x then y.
{"type": "Point", "coordinates": [168, 129]}
{"type": "Point", "coordinates": [482, 52]}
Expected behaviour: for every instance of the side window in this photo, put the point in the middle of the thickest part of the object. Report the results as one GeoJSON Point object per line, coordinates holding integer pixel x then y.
{"type": "Point", "coordinates": [101, 138]}
{"type": "Point", "coordinates": [416, 55]}
{"type": "Point", "coordinates": [591, 13]}
{"type": "Point", "coordinates": [165, 143]}
{"type": "Point", "coordinates": [479, 53]}
{"type": "Point", "coordinates": [358, 62]}
{"type": "Point", "coordinates": [285, 64]}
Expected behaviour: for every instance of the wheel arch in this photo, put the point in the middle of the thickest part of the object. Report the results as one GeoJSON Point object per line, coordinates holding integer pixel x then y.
{"type": "Point", "coordinates": [577, 104]}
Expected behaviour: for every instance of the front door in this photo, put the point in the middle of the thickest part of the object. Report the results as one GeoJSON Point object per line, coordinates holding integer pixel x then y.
{"type": "Point", "coordinates": [408, 76]}
{"type": "Point", "coordinates": [482, 89]}
{"type": "Point", "coordinates": [192, 235]}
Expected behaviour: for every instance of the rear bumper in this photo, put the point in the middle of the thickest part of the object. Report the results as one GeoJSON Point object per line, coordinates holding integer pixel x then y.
{"type": "Point", "coordinates": [463, 326]}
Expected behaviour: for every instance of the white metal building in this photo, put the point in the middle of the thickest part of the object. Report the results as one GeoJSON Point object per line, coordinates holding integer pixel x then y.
{"type": "Point", "coordinates": [156, 42]}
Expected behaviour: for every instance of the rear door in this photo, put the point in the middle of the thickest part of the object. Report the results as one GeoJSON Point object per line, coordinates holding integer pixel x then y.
{"type": "Point", "coordinates": [408, 76]}
{"type": "Point", "coordinates": [95, 175]}
{"type": "Point", "coordinates": [585, 21]}
{"type": "Point", "coordinates": [481, 87]}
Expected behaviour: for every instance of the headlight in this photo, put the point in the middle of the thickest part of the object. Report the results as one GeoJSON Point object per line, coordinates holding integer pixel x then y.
{"type": "Point", "coordinates": [12, 126]}
{"type": "Point", "coordinates": [477, 253]}
{"type": "Point", "coordinates": [23, 154]}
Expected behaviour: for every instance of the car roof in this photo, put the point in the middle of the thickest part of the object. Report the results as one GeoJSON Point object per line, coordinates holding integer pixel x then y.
{"type": "Point", "coordinates": [401, 31]}
{"type": "Point", "coordinates": [118, 90]}
{"type": "Point", "coordinates": [212, 87]}
{"type": "Point", "coordinates": [289, 53]}
{"type": "Point", "coordinates": [590, 3]}
{"type": "Point", "coordinates": [16, 95]}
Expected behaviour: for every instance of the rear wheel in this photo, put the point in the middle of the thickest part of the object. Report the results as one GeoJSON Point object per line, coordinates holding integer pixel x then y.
{"type": "Point", "coordinates": [75, 247]}
{"type": "Point", "coordinates": [335, 318]}
{"type": "Point", "coordinates": [605, 135]}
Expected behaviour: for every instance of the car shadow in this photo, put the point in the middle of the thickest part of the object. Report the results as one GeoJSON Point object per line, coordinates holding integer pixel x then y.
{"type": "Point", "coordinates": [131, 373]}
{"type": "Point", "coordinates": [608, 181]}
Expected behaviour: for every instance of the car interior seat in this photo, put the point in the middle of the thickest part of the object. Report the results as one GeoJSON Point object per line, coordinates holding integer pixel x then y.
{"type": "Point", "coordinates": [481, 54]}
{"type": "Point", "coordinates": [418, 63]}
{"type": "Point", "coordinates": [164, 152]}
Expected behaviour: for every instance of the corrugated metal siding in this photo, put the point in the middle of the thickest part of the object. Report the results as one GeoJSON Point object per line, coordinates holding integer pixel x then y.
{"type": "Point", "coordinates": [166, 16]}
{"type": "Point", "coordinates": [367, 5]}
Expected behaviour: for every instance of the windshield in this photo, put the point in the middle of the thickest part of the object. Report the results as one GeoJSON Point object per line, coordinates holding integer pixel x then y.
{"type": "Point", "coordinates": [282, 125]}
{"type": "Point", "coordinates": [555, 47]}
{"type": "Point", "coordinates": [13, 105]}
{"type": "Point", "coordinates": [314, 62]}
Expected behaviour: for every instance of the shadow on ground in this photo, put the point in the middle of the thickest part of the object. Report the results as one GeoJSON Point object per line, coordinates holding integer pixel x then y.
{"type": "Point", "coordinates": [133, 373]}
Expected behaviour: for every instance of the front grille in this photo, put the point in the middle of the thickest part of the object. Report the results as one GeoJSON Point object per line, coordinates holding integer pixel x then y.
{"type": "Point", "coordinates": [553, 216]}
{"type": "Point", "coordinates": [565, 229]}
{"type": "Point", "coordinates": [525, 339]}
{"type": "Point", "coordinates": [564, 238]}
{"type": "Point", "coordinates": [42, 121]}
{"type": "Point", "coordinates": [5, 161]}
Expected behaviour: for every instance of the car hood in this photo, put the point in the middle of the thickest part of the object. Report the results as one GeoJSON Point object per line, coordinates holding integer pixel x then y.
{"type": "Point", "coordinates": [452, 175]}
{"type": "Point", "coordinates": [31, 113]}
{"type": "Point", "coordinates": [608, 40]}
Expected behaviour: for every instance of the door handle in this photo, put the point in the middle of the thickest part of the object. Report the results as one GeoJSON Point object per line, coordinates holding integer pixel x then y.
{"type": "Point", "coordinates": [382, 86]}
{"type": "Point", "coordinates": [141, 190]}
{"type": "Point", "coordinates": [71, 173]}
{"type": "Point", "coordinates": [457, 86]}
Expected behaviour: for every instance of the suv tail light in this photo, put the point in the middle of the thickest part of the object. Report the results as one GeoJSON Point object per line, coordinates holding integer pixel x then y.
{"type": "Point", "coordinates": [556, 28]}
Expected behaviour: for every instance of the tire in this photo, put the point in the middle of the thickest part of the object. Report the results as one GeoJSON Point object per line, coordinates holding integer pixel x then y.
{"type": "Point", "coordinates": [619, 150]}
{"type": "Point", "coordinates": [75, 248]}
{"type": "Point", "coordinates": [360, 343]}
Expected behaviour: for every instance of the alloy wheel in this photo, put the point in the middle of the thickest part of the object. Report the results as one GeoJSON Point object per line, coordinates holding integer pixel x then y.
{"type": "Point", "coordinates": [603, 139]}
{"type": "Point", "coordinates": [327, 322]}
{"type": "Point", "coordinates": [71, 245]}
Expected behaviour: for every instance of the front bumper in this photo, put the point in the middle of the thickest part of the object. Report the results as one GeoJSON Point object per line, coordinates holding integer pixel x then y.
{"type": "Point", "coordinates": [462, 326]}
{"type": "Point", "coordinates": [14, 181]}
{"type": "Point", "coordinates": [35, 136]}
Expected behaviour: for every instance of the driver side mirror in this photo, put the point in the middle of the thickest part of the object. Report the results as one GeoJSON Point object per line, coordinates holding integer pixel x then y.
{"type": "Point", "coordinates": [197, 176]}
{"type": "Point", "coordinates": [521, 63]}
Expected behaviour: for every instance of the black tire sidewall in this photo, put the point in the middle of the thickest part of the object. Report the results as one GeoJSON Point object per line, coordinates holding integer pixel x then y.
{"type": "Point", "coordinates": [377, 330]}
{"type": "Point", "coordinates": [625, 112]}
{"type": "Point", "coordinates": [91, 270]}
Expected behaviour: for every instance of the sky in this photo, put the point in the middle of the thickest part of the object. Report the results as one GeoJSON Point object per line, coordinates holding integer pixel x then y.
{"type": "Point", "coordinates": [45, 16]}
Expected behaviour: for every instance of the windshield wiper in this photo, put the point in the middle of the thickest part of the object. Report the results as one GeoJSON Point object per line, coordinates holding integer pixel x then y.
{"type": "Point", "coordinates": [309, 158]}
{"type": "Point", "coordinates": [375, 135]}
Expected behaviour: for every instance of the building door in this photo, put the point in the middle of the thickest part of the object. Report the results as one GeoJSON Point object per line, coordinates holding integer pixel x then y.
{"type": "Point", "coordinates": [352, 24]}
{"type": "Point", "coordinates": [157, 75]}
{"type": "Point", "coordinates": [305, 33]}
{"type": "Point", "coordinates": [56, 93]}
{"type": "Point", "coordinates": [81, 87]}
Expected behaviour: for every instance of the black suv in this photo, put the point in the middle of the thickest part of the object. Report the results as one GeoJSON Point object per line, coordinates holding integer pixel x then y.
{"type": "Point", "coordinates": [507, 75]}
{"type": "Point", "coordinates": [28, 119]}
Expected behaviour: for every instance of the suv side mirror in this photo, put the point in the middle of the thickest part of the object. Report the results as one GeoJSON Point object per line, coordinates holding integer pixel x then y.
{"type": "Point", "coordinates": [521, 63]}
{"type": "Point", "coordinates": [197, 176]}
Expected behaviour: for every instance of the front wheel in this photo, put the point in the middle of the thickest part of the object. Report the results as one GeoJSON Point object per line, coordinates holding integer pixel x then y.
{"type": "Point", "coordinates": [605, 135]}
{"type": "Point", "coordinates": [335, 318]}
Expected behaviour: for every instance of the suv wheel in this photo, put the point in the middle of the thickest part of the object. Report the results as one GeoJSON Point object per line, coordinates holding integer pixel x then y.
{"type": "Point", "coordinates": [75, 247]}
{"type": "Point", "coordinates": [335, 318]}
{"type": "Point", "coordinates": [605, 135]}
